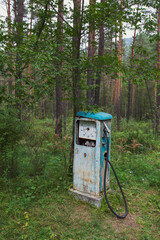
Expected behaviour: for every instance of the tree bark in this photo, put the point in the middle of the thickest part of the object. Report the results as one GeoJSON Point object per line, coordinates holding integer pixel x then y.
{"type": "Point", "coordinates": [15, 10]}
{"type": "Point", "coordinates": [9, 35]}
{"type": "Point", "coordinates": [64, 113]}
{"type": "Point", "coordinates": [134, 86]}
{"type": "Point", "coordinates": [53, 107]}
{"type": "Point", "coordinates": [158, 76]}
{"type": "Point", "coordinates": [99, 70]}
{"type": "Point", "coordinates": [133, 99]}
{"type": "Point", "coordinates": [91, 52]}
{"type": "Point", "coordinates": [30, 32]}
{"type": "Point", "coordinates": [104, 90]}
{"type": "Point", "coordinates": [43, 106]}
{"type": "Point", "coordinates": [129, 82]}
{"type": "Point", "coordinates": [111, 79]}
{"type": "Point", "coordinates": [76, 74]}
{"type": "Point", "coordinates": [119, 74]}
{"type": "Point", "coordinates": [19, 14]}
{"type": "Point", "coordinates": [59, 111]}
{"type": "Point", "coordinates": [111, 95]}
{"type": "Point", "coordinates": [115, 92]}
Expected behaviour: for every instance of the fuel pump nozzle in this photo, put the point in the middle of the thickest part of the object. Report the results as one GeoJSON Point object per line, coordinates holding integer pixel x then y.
{"type": "Point", "coordinates": [107, 129]}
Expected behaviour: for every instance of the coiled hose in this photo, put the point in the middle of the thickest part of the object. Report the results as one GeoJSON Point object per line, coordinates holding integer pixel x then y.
{"type": "Point", "coordinates": [105, 193]}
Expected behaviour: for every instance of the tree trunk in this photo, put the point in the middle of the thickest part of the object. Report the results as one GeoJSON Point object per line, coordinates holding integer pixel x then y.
{"type": "Point", "coordinates": [64, 113]}
{"type": "Point", "coordinates": [104, 91]}
{"type": "Point", "coordinates": [140, 102]}
{"type": "Point", "coordinates": [19, 14]}
{"type": "Point", "coordinates": [119, 74]}
{"type": "Point", "coordinates": [111, 79]}
{"type": "Point", "coordinates": [133, 99]}
{"type": "Point", "coordinates": [58, 129]}
{"type": "Point", "coordinates": [43, 106]}
{"type": "Point", "coordinates": [129, 83]}
{"type": "Point", "coordinates": [9, 35]}
{"type": "Point", "coordinates": [15, 10]}
{"type": "Point", "coordinates": [91, 52]}
{"type": "Point", "coordinates": [158, 76]}
{"type": "Point", "coordinates": [53, 106]}
{"type": "Point", "coordinates": [115, 93]}
{"type": "Point", "coordinates": [76, 74]}
{"type": "Point", "coordinates": [99, 70]}
{"type": "Point", "coordinates": [30, 32]}
{"type": "Point", "coordinates": [111, 95]}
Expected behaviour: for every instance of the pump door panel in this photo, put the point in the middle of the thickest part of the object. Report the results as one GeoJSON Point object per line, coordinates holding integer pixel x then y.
{"type": "Point", "coordinates": [87, 130]}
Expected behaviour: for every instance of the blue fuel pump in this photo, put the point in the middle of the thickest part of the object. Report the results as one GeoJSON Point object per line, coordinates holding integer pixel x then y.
{"type": "Point", "coordinates": [91, 166]}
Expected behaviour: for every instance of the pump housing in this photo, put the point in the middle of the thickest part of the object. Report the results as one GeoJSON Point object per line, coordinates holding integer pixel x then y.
{"type": "Point", "coordinates": [90, 146]}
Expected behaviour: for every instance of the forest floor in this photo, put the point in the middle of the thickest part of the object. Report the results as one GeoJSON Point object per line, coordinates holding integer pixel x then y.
{"type": "Point", "coordinates": [36, 205]}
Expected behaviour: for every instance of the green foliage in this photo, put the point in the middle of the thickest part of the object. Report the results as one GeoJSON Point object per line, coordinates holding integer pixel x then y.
{"type": "Point", "coordinates": [11, 131]}
{"type": "Point", "coordinates": [38, 152]}
{"type": "Point", "coordinates": [34, 142]}
{"type": "Point", "coordinates": [36, 204]}
{"type": "Point", "coordinates": [137, 148]}
{"type": "Point", "coordinates": [136, 138]}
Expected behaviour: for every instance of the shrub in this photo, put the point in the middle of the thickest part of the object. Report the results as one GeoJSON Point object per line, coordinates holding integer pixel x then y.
{"type": "Point", "coordinates": [135, 138]}
{"type": "Point", "coordinates": [35, 141]}
{"type": "Point", "coordinates": [11, 131]}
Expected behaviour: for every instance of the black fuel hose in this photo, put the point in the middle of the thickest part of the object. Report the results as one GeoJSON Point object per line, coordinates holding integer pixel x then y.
{"type": "Point", "coordinates": [105, 193]}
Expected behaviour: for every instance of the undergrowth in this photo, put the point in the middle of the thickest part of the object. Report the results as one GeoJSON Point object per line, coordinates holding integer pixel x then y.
{"type": "Point", "coordinates": [35, 203]}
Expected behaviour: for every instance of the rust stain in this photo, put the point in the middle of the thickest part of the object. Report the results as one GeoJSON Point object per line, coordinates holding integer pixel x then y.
{"type": "Point", "coordinates": [85, 154]}
{"type": "Point", "coordinates": [88, 180]}
{"type": "Point", "coordinates": [84, 188]}
{"type": "Point", "coordinates": [86, 177]}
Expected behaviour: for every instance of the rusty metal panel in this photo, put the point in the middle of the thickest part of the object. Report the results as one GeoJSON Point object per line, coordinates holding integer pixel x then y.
{"type": "Point", "coordinates": [87, 130]}
{"type": "Point", "coordinates": [86, 168]}
{"type": "Point", "coordinates": [103, 150]}
{"type": "Point", "coordinates": [97, 158]}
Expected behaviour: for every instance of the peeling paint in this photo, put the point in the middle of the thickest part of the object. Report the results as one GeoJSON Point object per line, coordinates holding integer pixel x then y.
{"type": "Point", "coordinates": [88, 167]}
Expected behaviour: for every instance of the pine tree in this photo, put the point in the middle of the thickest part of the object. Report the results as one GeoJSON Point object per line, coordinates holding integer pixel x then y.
{"type": "Point", "coordinates": [58, 129]}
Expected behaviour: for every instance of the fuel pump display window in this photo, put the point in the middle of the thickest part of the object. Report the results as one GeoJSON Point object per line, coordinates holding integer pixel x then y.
{"type": "Point", "coordinates": [86, 133]}
{"type": "Point", "coordinates": [87, 130]}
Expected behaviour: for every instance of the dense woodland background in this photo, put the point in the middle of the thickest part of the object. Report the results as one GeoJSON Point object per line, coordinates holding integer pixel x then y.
{"type": "Point", "coordinates": [56, 60]}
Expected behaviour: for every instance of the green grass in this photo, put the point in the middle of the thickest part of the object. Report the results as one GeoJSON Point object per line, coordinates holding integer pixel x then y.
{"type": "Point", "coordinates": [36, 204]}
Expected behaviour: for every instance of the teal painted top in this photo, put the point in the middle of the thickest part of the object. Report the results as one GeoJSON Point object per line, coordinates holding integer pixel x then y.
{"type": "Point", "coordinates": [97, 116]}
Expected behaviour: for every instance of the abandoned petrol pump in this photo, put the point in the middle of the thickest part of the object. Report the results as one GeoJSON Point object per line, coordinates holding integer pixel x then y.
{"type": "Point", "coordinates": [91, 166]}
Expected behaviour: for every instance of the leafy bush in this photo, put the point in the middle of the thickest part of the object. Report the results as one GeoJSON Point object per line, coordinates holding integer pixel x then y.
{"type": "Point", "coordinates": [11, 131]}
{"type": "Point", "coordinates": [35, 141]}
{"type": "Point", "coordinates": [135, 154]}
{"type": "Point", "coordinates": [135, 138]}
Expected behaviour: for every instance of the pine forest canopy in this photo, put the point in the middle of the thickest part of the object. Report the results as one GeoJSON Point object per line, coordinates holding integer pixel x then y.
{"type": "Point", "coordinates": [56, 59]}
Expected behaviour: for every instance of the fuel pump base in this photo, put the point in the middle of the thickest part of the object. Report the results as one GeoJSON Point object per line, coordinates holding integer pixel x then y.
{"type": "Point", "coordinates": [90, 146]}
{"type": "Point", "coordinates": [85, 197]}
